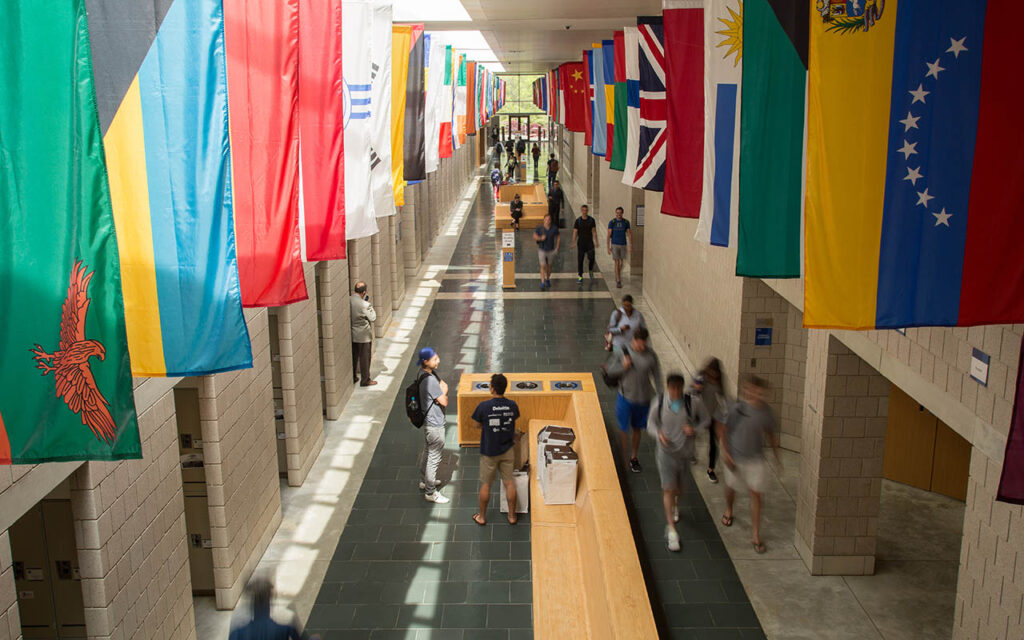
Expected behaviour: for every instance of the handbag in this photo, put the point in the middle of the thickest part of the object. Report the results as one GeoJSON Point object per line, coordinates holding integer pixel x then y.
{"type": "Point", "coordinates": [610, 379]}
{"type": "Point", "coordinates": [608, 335]}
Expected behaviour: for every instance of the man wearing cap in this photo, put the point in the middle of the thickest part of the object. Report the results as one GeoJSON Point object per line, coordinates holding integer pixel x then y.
{"type": "Point", "coordinates": [434, 392]}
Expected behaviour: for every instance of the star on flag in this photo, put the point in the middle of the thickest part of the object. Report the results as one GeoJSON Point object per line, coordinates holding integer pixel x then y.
{"type": "Point", "coordinates": [956, 46]}
{"type": "Point", "coordinates": [913, 175]}
{"type": "Point", "coordinates": [909, 149]}
{"type": "Point", "coordinates": [923, 197]}
{"type": "Point", "coordinates": [910, 122]}
{"type": "Point", "coordinates": [933, 70]}
{"type": "Point", "coordinates": [942, 217]}
{"type": "Point", "coordinates": [919, 94]}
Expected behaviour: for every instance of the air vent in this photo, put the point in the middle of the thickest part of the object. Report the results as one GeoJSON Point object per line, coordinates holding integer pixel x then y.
{"type": "Point", "coordinates": [566, 385]}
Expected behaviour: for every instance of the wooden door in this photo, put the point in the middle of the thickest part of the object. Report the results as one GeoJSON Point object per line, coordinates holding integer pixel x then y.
{"type": "Point", "coordinates": [909, 442]}
{"type": "Point", "coordinates": [952, 463]}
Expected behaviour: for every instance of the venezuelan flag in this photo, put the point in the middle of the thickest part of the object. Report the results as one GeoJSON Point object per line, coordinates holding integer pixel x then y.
{"type": "Point", "coordinates": [914, 188]}
{"type": "Point", "coordinates": [169, 163]}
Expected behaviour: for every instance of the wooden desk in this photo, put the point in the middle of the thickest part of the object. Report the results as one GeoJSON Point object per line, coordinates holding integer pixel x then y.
{"type": "Point", "coordinates": [533, 216]}
{"type": "Point", "coordinates": [529, 192]}
{"type": "Point", "coordinates": [587, 580]}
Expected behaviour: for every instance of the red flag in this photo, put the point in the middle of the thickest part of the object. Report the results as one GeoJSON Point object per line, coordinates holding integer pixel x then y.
{"type": "Point", "coordinates": [471, 98]}
{"type": "Point", "coordinates": [261, 44]}
{"type": "Point", "coordinates": [588, 109]}
{"type": "Point", "coordinates": [322, 129]}
{"type": "Point", "coordinates": [571, 76]}
{"type": "Point", "coordinates": [1011, 482]}
{"type": "Point", "coordinates": [684, 93]}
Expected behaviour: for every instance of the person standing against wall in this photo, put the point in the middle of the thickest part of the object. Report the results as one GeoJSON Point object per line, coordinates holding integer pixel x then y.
{"type": "Point", "coordinates": [363, 316]}
{"type": "Point", "coordinates": [584, 236]}
{"type": "Point", "coordinates": [620, 242]}
{"type": "Point", "coordinates": [434, 392]}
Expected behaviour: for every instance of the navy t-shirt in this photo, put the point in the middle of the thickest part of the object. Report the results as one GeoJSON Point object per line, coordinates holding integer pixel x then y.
{"type": "Point", "coordinates": [548, 235]}
{"type": "Point", "coordinates": [619, 229]}
{"type": "Point", "coordinates": [498, 417]}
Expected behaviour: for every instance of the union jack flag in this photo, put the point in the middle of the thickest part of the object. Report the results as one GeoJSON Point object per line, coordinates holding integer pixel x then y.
{"type": "Point", "coordinates": [650, 168]}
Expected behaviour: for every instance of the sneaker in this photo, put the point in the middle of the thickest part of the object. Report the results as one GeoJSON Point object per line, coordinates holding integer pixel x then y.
{"type": "Point", "coordinates": [634, 466]}
{"type": "Point", "coordinates": [542, 285]}
{"type": "Point", "coordinates": [423, 486]}
{"type": "Point", "coordinates": [673, 539]}
{"type": "Point", "coordinates": [436, 498]}
{"type": "Point", "coordinates": [579, 280]}
{"type": "Point", "coordinates": [618, 284]}
{"type": "Point", "coordinates": [675, 514]}
{"type": "Point", "coordinates": [712, 476]}
{"type": "Point", "coordinates": [591, 275]}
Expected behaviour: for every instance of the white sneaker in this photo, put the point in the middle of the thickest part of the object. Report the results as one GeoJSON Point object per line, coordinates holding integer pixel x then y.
{"type": "Point", "coordinates": [436, 498]}
{"type": "Point", "coordinates": [673, 539]}
{"type": "Point", "coordinates": [423, 487]}
{"type": "Point", "coordinates": [675, 514]}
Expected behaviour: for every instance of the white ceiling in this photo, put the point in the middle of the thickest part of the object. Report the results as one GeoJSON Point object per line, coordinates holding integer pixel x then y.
{"type": "Point", "coordinates": [530, 36]}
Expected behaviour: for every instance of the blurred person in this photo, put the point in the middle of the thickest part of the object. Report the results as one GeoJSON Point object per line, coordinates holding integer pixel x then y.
{"type": "Point", "coordinates": [640, 380]}
{"type": "Point", "coordinates": [548, 241]}
{"type": "Point", "coordinates": [623, 322]}
{"type": "Point", "coordinates": [556, 198]}
{"type": "Point", "coordinates": [717, 404]}
{"type": "Point", "coordinates": [535, 152]}
{"type": "Point", "coordinates": [262, 626]}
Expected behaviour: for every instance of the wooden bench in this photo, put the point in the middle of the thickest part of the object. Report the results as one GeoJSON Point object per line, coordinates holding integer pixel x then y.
{"type": "Point", "coordinates": [533, 216]}
{"type": "Point", "coordinates": [587, 580]}
{"type": "Point", "coordinates": [528, 191]}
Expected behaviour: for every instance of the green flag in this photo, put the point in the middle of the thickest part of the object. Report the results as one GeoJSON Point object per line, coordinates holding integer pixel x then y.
{"type": "Point", "coordinates": [775, 34]}
{"type": "Point", "coordinates": [65, 377]}
{"type": "Point", "coordinates": [621, 131]}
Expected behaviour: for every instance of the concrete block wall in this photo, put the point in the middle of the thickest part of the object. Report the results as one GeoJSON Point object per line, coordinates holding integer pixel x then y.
{"type": "Point", "coordinates": [840, 483]}
{"type": "Point", "coordinates": [10, 620]}
{"type": "Point", "coordinates": [395, 224]}
{"type": "Point", "coordinates": [240, 448]}
{"type": "Point", "coordinates": [336, 334]}
{"type": "Point", "coordinates": [300, 382]}
{"type": "Point", "coordinates": [990, 584]}
{"type": "Point", "coordinates": [360, 262]}
{"type": "Point", "coordinates": [381, 291]}
{"type": "Point", "coordinates": [129, 520]}
{"type": "Point", "coordinates": [410, 235]}
{"type": "Point", "coordinates": [783, 362]}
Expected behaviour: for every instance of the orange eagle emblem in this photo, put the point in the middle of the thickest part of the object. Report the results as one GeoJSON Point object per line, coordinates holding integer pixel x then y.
{"type": "Point", "coordinates": [70, 362]}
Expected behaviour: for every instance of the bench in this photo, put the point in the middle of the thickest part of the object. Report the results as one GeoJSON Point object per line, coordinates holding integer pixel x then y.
{"type": "Point", "coordinates": [528, 191]}
{"type": "Point", "coordinates": [533, 216]}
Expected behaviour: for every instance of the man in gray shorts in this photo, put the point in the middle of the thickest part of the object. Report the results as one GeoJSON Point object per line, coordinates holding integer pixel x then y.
{"type": "Point", "coordinates": [673, 418]}
{"type": "Point", "coordinates": [741, 440]}
{"type": "Point", "coordinates": [619, 242]}
{"type": "Point", "coordinates": [548, 241]}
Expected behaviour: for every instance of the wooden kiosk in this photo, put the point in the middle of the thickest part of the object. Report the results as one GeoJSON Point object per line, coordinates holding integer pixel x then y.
{"type": "Point", "coordinates": [534, 205]}
{"type": "Point", "coordinates": [587, 580]}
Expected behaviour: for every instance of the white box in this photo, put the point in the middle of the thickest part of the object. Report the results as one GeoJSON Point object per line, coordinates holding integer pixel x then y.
{"type": "Point", "coordinates": [522, 480]}
{"type": "Point", "coordinates": [558, 474]}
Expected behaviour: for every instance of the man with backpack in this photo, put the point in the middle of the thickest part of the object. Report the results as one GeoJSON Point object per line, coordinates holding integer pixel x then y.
{"type": "Point", "coordinates": [497, 151]}
{"type": "Point", "coordinates": [496, 419]}
{"type": "Point", "coordinates": [520, 146]}
{"type": "Point", "coordinates": [675, 416]}
{"type": "Point", "coordinates": [496, 178]}
{"type": "Point", "coordinates": [425, 402]}
{"type": "Point", "coordinates": [639, 375]}
{"type": "Point", "coordinates": [552, 170]}
{"type": "Point", "coordinates": [624, 321]}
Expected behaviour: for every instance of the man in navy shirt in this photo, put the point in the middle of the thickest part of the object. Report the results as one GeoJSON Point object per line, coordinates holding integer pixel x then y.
{"type": "Point", "coordinates": [496, 419]}
{"type": "Point", "coordinates": [619, 242]}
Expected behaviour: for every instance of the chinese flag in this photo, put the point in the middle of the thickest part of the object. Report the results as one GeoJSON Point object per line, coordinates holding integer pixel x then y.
{"type": "Point", "coordinates": [574, 87]}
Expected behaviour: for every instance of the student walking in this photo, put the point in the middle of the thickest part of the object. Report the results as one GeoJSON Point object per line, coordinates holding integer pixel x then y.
{"type": "Point", "coordinates": [496, 178]}
{"type": "Point", "coordinates": [584, 236]}
{"type": "Point", "coordinates": [496, 419]}
{"type": "Point", "coordinates": [535, 151]}
{"type": "Point", "coordinates": [620, 242]}
{"type": "Point", "coordinates": [556, 198]}
{"type": "Point", "coordinates": [623, 322]}
{"type": "Point", "coordinates": [434, 395]}
{"type": "Point", "coordinates": [750, 422]}
{"type": "Point", "coordinates": [516, 210]}
{"type": "Point", "coordinates": [552, 170]}
{"type": "Point", "coordinates": [497, 151]}
{"type": "Point", "coordinates": [674, 420]}
{"type": "Point", "coordinates": [262, 626]}
{"type": "Point", "coordinates": [548, 241]}
{"type": "Point", "coordinates": [717, 404]}
{"type": "Point", "coordinates": [640, 380]}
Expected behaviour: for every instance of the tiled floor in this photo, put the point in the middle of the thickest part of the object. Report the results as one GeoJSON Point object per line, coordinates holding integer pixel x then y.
{"type": "Point", "coordinates": [408, 568]}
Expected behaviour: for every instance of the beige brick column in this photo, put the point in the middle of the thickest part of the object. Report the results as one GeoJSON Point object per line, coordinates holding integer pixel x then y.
{"type": "Point", "coordinates": [397, 252]}
{"type": "Point", "coordinates": [10, 620]}
{"type": "Point", "coordinates": [130, 531]}
{"type": "Point", "coordinates": [236, 410]}
{"type": "Point", "coordinates": [841, 460]}
{"type": "Point", "coordinates": [381, 293]}
{"type": "Point", "coordinates": [336, 334]}
{"type": "Point", "coordinates": [360, 262]}
{"type": "Point", "coordinates": [300, 382]}
{"type": "Point", "coordinates": [990, 585]}
{"type": "Point", "coordinates": [409, 233]}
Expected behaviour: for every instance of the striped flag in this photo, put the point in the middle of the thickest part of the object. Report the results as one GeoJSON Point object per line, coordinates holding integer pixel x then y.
{"type": "Point", "coordinates": [433, 69]}
{"type": "Point", "coordinates": [621, 132]}
{"type": "Point", "coordinates": [381, 186]}
{"type": "Point", "coordinates": [447, 136]}
{"type": "Point", "coordinates": [414, 147]}
{"type": "Point", "coordinates": [401, 41]}
{"type": "Point", "coordinates": [684, 95]}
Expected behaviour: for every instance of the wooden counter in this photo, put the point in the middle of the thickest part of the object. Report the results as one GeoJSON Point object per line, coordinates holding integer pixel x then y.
{"type": "Point", "coordinates": [528, 191]}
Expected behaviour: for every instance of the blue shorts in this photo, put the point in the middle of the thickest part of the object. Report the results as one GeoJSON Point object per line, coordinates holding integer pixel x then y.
{"type": "Point", "coordinates": [630, 414]}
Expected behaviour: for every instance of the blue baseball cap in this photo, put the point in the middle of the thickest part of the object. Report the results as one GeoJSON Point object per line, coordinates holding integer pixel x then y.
{"type": "Point", "coordinates": [426, 353]}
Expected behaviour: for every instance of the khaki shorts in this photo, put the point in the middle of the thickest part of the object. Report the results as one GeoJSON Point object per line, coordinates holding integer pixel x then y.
{"type": "Point", "coordinates": [546, 257]}
{"type": "Point", "coordinates": [502, 463]}
{"type": "Point", "coordinates": [619, 251]}
{"type": "Point", "coordinates": [750, 474]}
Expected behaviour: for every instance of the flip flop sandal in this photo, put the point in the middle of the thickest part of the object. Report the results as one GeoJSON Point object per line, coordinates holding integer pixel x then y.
{"type": "Point", "coordinates": [759, 547]}
{"type": "Point", "coordinates": [727, 521]}
{"type": "Point", "coordinates": [479, 519]}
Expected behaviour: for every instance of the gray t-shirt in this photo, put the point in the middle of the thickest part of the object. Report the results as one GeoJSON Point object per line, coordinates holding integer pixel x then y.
{"type": "Point", "coordinates": [671, 423]}
{"type": "Point", "coordinates": [430, 390]}
{"type": "Point", "coordinates": [635, 384]}
{"type": "Point", "coordinates": [745, 427]}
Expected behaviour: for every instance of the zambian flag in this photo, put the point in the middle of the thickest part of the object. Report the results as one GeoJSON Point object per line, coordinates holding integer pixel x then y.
{"type": "Point", "coordinates": [65, 377]}
{"type": "Point", "coordinates": [775, 35]}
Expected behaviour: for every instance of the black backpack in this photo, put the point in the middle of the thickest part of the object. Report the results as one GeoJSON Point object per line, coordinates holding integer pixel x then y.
{"type": "Point", "coordinates": [413, 407]}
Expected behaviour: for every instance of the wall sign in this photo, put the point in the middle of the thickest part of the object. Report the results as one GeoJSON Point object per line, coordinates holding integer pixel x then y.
{"type": "Point", "coordinates": [509, 256]}
{"type": "Point", "coordinates": [979, 366]}
{"type": "Point", "coordinates": [763, 336]}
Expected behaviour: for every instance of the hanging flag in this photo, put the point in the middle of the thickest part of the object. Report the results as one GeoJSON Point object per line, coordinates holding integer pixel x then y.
{"type": "Point", "coordinates": [415, 164]}
{"type": "Point", "coordinates": [600, 109]}
{"type": "Point", "coordinates": [262, 63]}
{"type": "Point", "coordinates": [631, 54]}
{"type": "Point", "coordinates": [470, 102]}
{"type": "Point", "coordinates": [653, 135]}
{"type": "Point", "coordinates": [772, 140]}
{"type": "Point", "coordinates": [723, 56]}
{"type": "Point", "coordinates": [357, 22]}
{"type": "Point", "coordinates": [618, 147]}
{"type": "Point", "coordinates": [684, 95]}
{"type": "Point", "coordinates": [588, 113]}
{"type": "Point", "coordinates": [460, 102]}
{"type": "Point", "coordinates": [434, 72]}
{"type": "Point", "coordinates": [447, 135]}
{"type": "Point", "coordinates": [574, 94]}
{"type": "Point", "coordinates": [608, 62]}
{"type": "Point", "coordinates": [401, 40]}
{"type": "Point", "coordinates": [321, 130]}
{"type": "Point", "coordinates": [1011, 480]}
{"type": "Point", "coordinates": [381, 186]}
{"type": "Point", "coordinates": [66, 380]}
{"type": "Point", "coordinates": [171, 188]}
{"type": "Point", "coordinates": [913, 214]}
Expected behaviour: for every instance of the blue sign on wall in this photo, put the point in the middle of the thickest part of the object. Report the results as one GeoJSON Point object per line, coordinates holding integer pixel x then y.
{"type": "Point", "coordinates": [763, 336]}
{"type": "Point", "coordinates": [509, 256]}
